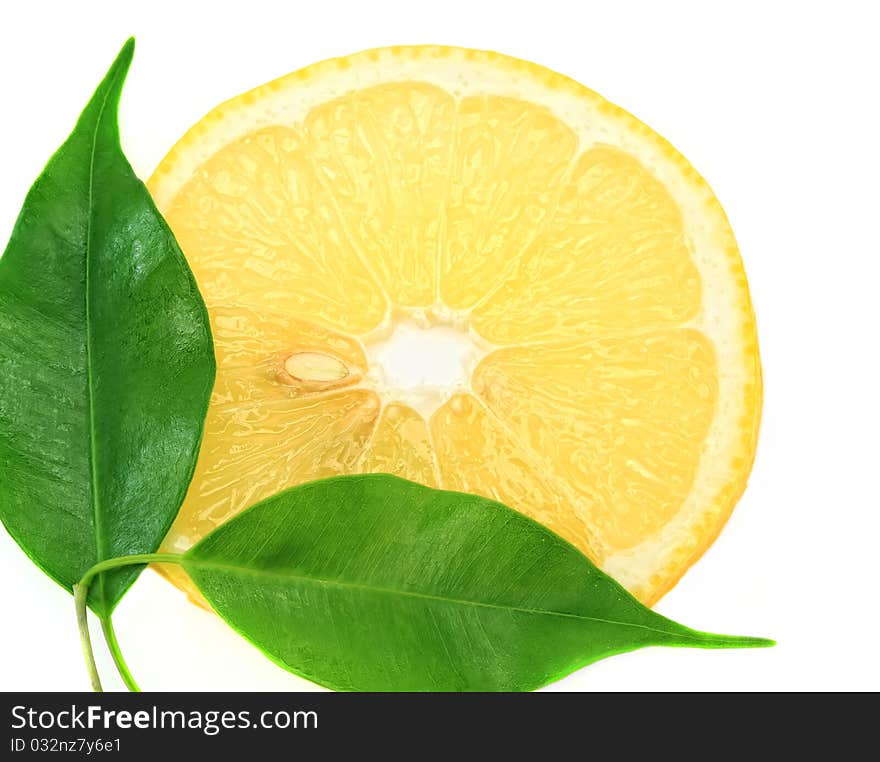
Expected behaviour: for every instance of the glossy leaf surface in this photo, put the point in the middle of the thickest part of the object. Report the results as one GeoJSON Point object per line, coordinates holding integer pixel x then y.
{"type": "Point", "coordinates": [376, 583]}
{"type": "Point", "coordinates": [106, 361]}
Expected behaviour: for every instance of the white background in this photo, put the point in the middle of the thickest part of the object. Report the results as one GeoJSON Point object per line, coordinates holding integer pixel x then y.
{"type": "Point", "coordinates": [774, 103]}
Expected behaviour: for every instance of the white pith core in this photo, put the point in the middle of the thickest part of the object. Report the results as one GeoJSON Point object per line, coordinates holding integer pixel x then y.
{"type": "Point", "coordinates": [423, 360]}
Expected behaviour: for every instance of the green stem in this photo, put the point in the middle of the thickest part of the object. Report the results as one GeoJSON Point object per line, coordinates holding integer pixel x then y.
{"type": "Point", "coordinates": [80, 597]}
{"type": "Point", "coordinates": [82, 620]}
{"type": "Point", "coordinates": [116, 653]}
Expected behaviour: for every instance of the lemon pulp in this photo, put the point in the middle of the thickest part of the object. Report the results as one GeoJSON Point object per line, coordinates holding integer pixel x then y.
{"type": "Point", "coordinates": [575, 283]}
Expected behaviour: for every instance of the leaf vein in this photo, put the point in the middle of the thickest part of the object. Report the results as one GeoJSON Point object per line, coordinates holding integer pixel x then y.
{"type": "Point", "coordinates": [196, 563]}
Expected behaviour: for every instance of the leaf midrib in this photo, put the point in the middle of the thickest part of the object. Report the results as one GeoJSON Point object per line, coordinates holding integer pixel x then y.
{"type": "Point", "coordinates": [93, 446]}
{"type": "Point", "coordinates": [231, 568]}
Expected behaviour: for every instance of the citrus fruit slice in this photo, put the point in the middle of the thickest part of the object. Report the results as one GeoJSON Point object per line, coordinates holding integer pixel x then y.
{"type": "Point", "coordinates": [475, 273]}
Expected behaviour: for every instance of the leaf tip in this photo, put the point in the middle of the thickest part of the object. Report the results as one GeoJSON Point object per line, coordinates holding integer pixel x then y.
{"type": "Point", "coordinates": [738, 641]}
{"type": "Point", "coordinates": [126, 53]}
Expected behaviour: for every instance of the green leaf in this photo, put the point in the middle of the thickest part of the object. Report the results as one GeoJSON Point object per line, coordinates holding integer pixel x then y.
{"type": "Point", "coordinates": [106, 361]}
{"type": "Point", "coordinates": [379, 584]}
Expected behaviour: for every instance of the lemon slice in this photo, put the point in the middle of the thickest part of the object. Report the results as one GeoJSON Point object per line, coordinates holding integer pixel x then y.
{"type": "Point", "coordinates": [475, 273]}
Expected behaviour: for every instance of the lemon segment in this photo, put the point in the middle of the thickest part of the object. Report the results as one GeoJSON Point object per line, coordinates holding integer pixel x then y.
{"type": "Point", "coordinates": [250, 448]}
{"type": "Point", "coordinates": [622, 421]}
{"type": "Point", "coordinates": [613, 258]}
{"type": "Point", "coordinates": [509, 160]}
{"type": "Point", "coordinates": [384, 155]}
{"type": "Point", "coordinates": [256, 349]}
{"type": "Point", "coordinates": [401, 445]}
{"type": "Point", "coordinates": [268, 234]}
{"type": "Point", "coordinates": [478, 454]}
{"type": "Point", "coordinates": [606, 375]}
